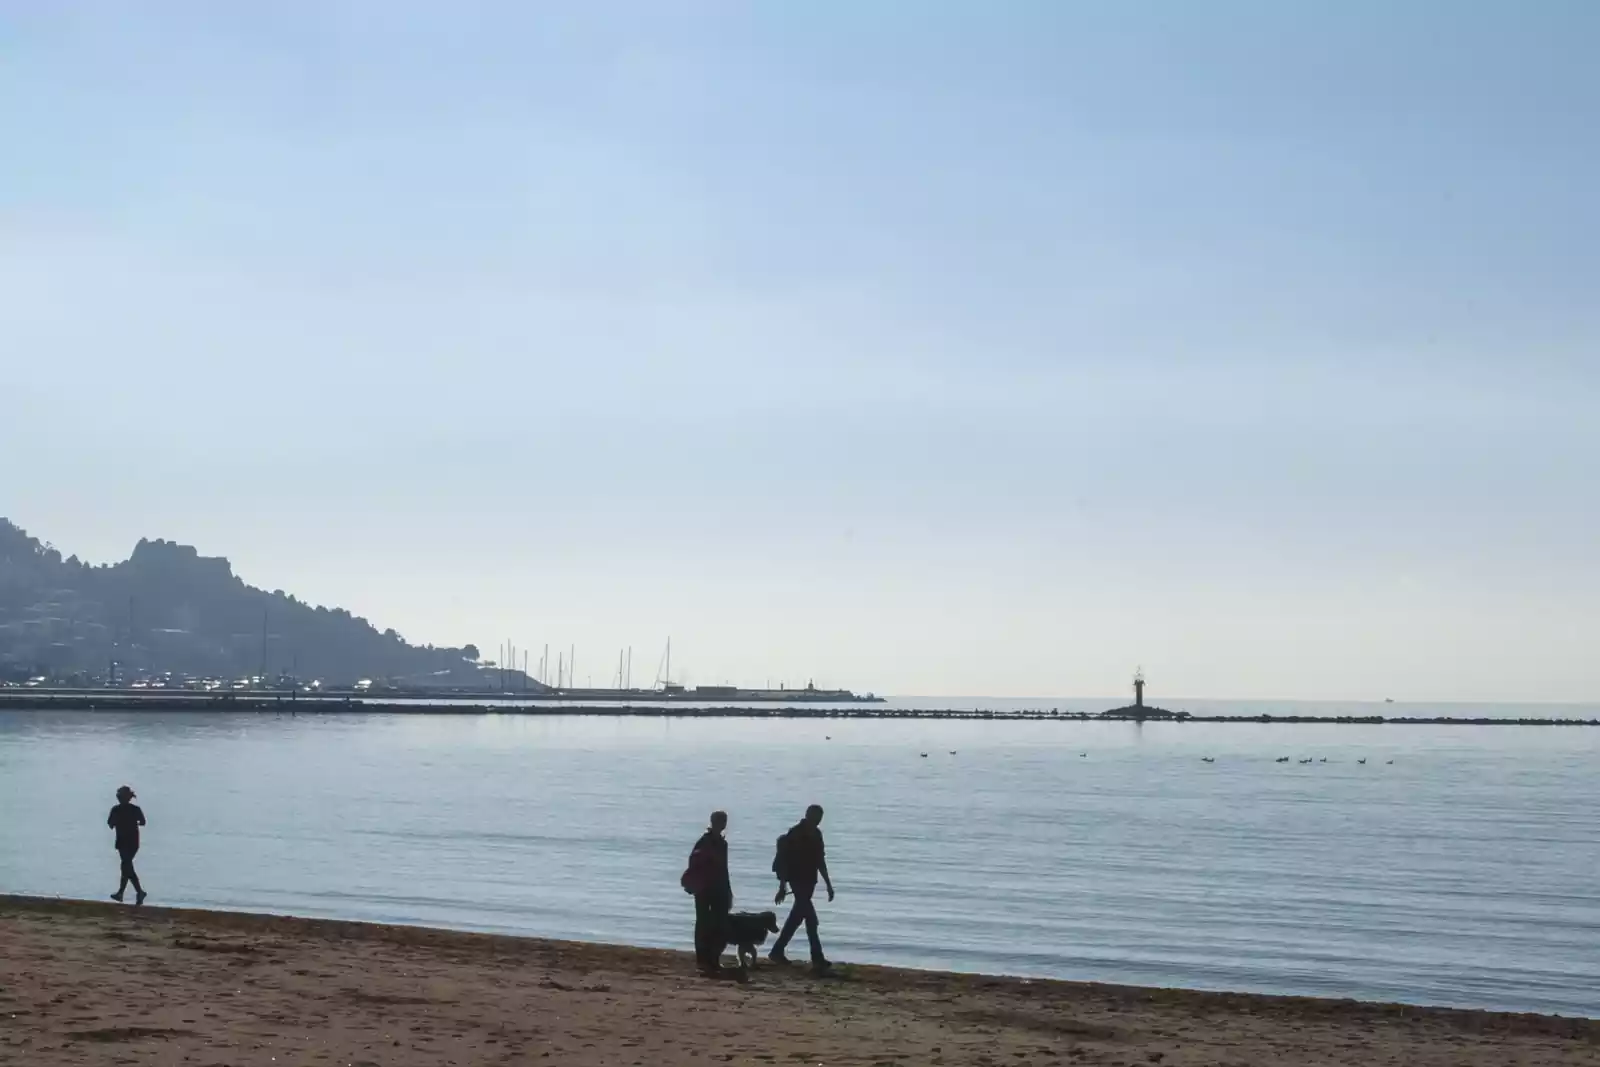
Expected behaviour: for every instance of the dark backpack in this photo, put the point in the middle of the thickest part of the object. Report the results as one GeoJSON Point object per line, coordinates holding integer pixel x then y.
{"type": "Point", "coordinates": [780, 856]}
{"type": "Point", "coordinates": [696, 877]}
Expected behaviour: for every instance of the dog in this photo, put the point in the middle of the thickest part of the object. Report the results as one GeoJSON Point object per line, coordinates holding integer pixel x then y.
{"type": "Point", "coordinates": [748, 930]}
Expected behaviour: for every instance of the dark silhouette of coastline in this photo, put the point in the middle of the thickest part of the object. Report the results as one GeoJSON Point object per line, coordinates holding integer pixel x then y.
{"type": "Point", "coordinates": [172, 620]}
{"type": "Point", "coordinates": [166, 608]}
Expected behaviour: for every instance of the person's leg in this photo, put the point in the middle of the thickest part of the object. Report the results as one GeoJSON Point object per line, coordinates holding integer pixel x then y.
{"type": "Point", "coordinates": [702, 929]}
{"type": "Point", "coordinates": [128, 875]}
{"type": "Point", "coordinates": [722, 927]}
{"type": "Point", "coordinates": [710, 922]}
{"type": "Point", "coordinates": [131, 875]}
{"type": "Point", "coordinates": [797, 915]}
{"type": "Point", "coordinates": [811, 932]}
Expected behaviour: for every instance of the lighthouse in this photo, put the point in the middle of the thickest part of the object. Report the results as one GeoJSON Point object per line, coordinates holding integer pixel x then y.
{"type": "Point", "coordinates": [1139, 711]}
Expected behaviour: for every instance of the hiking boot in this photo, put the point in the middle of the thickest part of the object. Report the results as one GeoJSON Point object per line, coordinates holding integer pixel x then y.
{"type": "Point", "coordinates": [139, 899]}
{"type": "Point", "coordinates": [117, 897]}
{"type": "Point", "coordinates": [821, 966]}
{"type": "Point", "coordinates": [777, 956]}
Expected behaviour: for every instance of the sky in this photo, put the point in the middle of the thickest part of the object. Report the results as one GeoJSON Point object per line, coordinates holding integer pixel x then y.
{"type": "Point", "coordinates": [922, 348]}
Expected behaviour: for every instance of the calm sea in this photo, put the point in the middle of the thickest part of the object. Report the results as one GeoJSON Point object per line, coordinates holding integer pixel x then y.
{"type": "Point", "coordinates": [1464, 872]}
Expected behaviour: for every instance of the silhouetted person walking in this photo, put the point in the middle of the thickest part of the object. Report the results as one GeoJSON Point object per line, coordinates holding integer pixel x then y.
{"type": "Point", "coordinates": [800, 859]}
{"type": "Point", "coordinates": [125, 819]}
{"type": "Point", "coordinates": [707, 878]}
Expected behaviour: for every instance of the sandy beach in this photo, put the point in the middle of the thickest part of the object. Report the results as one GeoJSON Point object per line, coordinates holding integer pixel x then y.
{"type": "Point", "coordinates": [86, 983]}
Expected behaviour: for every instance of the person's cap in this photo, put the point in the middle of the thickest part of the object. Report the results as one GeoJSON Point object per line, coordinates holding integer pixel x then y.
{"type": "Point", "coordinates": [124, 791]}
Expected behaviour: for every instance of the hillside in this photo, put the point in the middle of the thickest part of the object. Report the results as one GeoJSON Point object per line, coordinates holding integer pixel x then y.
{"type": "Point", "coordinates": [168, 608]}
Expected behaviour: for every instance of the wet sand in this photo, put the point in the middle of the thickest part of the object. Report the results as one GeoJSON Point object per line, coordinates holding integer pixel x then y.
{"type": "Point", "coordinates": [85, 983]}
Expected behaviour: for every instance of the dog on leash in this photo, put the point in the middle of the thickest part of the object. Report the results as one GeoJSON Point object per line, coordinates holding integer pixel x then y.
{"type": "Point", "coordinates": [748, 930]}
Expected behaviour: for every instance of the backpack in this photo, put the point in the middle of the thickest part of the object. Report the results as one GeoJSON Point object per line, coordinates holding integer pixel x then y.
{"type": "Point", "coordinates": [697, 876]}
{"type": "Point", "coordinates": [780, 856]}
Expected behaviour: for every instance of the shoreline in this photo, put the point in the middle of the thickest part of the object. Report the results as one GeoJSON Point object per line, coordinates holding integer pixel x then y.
{"type": "Point", "coordinates": [162, 985]}
{"type": "Point", "coordinates": [232, 705]}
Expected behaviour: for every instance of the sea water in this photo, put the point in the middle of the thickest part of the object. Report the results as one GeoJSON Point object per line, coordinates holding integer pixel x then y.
{"type": "Point", "coordinates": [1455, 865]}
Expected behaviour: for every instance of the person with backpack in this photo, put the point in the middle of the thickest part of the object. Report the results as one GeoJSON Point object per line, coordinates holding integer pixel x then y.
{"type": "Point", "coordinates": [125, 819]}
{"type": "Point", "coordinates": [706, 878]}
{"type": "Point", "coordinates": [800, 859]}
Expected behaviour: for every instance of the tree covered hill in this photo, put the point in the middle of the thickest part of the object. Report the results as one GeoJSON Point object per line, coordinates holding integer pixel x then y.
{"type": "Point", "coordinates": [168, 608]}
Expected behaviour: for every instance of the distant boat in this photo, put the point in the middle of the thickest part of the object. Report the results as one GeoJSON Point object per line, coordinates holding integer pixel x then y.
{"type": "Point", "coordinates": [1388, 700]}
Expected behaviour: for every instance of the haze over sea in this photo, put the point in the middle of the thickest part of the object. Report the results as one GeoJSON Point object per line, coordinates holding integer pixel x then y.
{"type": "Point", "coordinates": [1460, 873]}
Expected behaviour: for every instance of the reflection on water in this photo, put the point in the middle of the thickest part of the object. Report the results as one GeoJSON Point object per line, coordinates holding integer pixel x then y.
{"type": "Point", "coordinates": [1460, 873]}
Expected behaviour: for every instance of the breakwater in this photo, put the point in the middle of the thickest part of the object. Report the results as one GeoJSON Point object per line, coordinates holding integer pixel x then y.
{"type": "Point", "coordinates": [286, 705]}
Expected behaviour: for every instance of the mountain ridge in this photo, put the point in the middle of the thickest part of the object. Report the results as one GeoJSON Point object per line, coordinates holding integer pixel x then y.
{"type": "Point", "coordinates": [167, 608]}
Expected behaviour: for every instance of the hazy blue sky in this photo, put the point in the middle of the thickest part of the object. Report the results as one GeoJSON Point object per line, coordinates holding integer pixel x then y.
{"type": "Point", "coordinates": [920, 347]}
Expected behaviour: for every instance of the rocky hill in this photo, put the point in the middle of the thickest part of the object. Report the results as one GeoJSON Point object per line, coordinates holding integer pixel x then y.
{"type": "Point", "coordinates": [169, 609]}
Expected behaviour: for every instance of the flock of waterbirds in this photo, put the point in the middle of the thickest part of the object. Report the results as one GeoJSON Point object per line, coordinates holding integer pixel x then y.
{"type": "Point", "coordinates": [1205, 759]}
{"type": "Point", "coordinates": [1308, 759]}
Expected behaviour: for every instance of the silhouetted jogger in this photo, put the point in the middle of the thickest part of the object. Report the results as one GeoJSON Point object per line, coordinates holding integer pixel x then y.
{"type": "Point", "coordinates": [125, 819]}
{"type": "Point", "coordinates": [707, 878]}
{"type": "Point", "coordinates": [800, 859]}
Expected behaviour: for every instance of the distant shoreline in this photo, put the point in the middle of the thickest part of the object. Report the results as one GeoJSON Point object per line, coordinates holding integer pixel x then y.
{"type": "Point", "coordinates": [234, 705]}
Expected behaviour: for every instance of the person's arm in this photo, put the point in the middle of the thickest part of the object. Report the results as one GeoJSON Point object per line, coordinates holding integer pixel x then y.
{"type": "Point", "coordinates": [783, 883]}
{"type": "Point", "coordinates": [822, 868]}
{"type": "Point", "coordinates": [111, 820]}
{"type": "Point", "coordinates": [141, 816]}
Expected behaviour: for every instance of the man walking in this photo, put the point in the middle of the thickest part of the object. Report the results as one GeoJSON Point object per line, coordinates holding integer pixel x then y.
{"type": "Point", "coordinates": [125, 819]}
{"type": "Point", "coordinates": [707, 878]}
{"type": "Point", "coordinates": [800, 859]}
